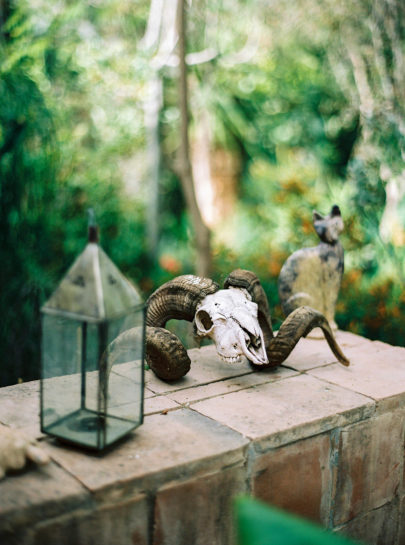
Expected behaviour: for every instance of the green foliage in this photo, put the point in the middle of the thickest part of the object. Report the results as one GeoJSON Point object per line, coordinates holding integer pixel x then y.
{"type": "Point", "coordinates": [27, 168]}
{"type": "Point", "coordinates": [55, 162]}
{"type": "Point", "coordinates": [259, 524]}
{"type": "Point", "coordinates": [280, 96]}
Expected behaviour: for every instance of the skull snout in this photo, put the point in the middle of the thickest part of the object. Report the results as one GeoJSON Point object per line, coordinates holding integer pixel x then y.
{"type": "Point", "coordinates": [227, 344]}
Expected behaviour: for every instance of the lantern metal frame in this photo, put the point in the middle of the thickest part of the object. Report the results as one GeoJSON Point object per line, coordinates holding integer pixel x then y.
{"type": "Point", "coordinates": [76, 358]}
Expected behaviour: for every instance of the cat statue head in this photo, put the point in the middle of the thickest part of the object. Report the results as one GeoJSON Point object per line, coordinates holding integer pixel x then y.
{"type": "Point", "coordinates": [328, 227]}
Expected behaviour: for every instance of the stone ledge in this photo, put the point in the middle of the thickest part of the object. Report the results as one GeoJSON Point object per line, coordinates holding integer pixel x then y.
{"type": "Point", "coordinates": [125, 524]}
{"type": "Point", "coordinates": [288, 410]}
{"type": "Point", "coordinates": [180, 443]}
{"type": "Point", "coordinates": [39, 493]}
{"type": "Point", "coordinates": [294, 436]}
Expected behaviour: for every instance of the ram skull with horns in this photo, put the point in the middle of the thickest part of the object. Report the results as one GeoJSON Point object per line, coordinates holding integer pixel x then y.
{"type": "Point", "coordinates": [237, 318]}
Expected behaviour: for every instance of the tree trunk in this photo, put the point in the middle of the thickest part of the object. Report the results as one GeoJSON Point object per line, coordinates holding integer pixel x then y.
{"type": "Point", "coordinates": [5, 12]}
{"type": "Point", "coordinates": [201, 232]}
{"type": "Point", "coordinates": [152, 108]}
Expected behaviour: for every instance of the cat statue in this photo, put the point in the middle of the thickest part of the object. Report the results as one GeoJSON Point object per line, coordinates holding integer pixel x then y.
{"type": "Point", "coordinates": [312, 276]}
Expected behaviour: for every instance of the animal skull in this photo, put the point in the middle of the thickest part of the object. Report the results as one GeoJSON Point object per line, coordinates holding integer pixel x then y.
{"type": "Point", "coordinates": [230, 318]}
{"type": "Point", "coordinates": [236, 318]}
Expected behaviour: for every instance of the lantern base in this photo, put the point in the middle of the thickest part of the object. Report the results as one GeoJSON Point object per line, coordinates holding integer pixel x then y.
{"type": "Point", "coordinates": [90, 429]}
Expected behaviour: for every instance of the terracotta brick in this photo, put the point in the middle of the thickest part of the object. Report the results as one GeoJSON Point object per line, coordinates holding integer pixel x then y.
{"type": "Point", "coordinates": [124, 523]}
{"type": "Point", "coordinates": [379, 345]}
{"type": "Point", "coordinates": [303, 361]}
{"type": "Point", "coordinates": [206, 367]}
{"type": "Point", "coordinates": [347, 339]}
{"type": "Point", "coordinates": [296, 478]}
{"type": "Point", "coordinates": [157, 404]}
{"type": "Point", "coordinates": [401, 519]}
{"type": "Point", "coordinates": [19, 407]}
{"type": "Point", "coordinates": [207, 445]}
{"type": "Point", "coordinates": [378, 374]}
{"type": "Point", "coordinates": [234, 384]}
{"type": "Point", "coordinates": [377, 527]}
{"type": "Point", "coordinates": [287, 410]}
{"type": "Point", "coordinates": [369, 466]}
{"type": "Point", "coordinates": [34, 494]}
{"type": "Point", "coordinates": [311, 353]}
{"type": "Point", "coordinates": [164, 447]}
{"type": "Point", "coordinates": [199, 511]}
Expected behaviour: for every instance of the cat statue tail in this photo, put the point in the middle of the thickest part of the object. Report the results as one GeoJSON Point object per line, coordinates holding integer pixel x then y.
{"type": "Point", "coordinates": [297, 325]}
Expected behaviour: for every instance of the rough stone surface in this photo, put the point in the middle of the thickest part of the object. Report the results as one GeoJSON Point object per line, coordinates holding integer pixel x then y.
{"type": "Point", "coordinates": [311, 357]}
{"type": "Point", "coordinates": [311, 353]}
{"type": "Point", "coordinates": [377, 374]}
{"type": "Point", "coordinates": [296, 478]}
{"type": "Point", "coordinates": [230, 385]}
{"type": "Point", "coordinates": [349, 339]}
{"type": "Point", "coordinates": [288, 410]}
{"type": "Point", "coordinates": [124, 523]}
{"type": "Point", "coordinates": [158, 404]}
{"type": "Point", "coordinates": [312, 437]}
{"type": "Point", "coordinates": [198, 511]}
{"type": "Point", "coordinates": [19, 407]}
{"type": "Point", "coordinates": [34, 494]}
{"type": "Point", "coordinates": [377, 527]}
{"type": "Point", "coordinates": [179, 441]}
{"type": "Point", "coordinates": [213, 369]}
{"type": "Point", "coordinates": [369, 465]}
{"type": "Point", "coordinates": [401, 521]}
{"type": "Point", "coordinates": [148, 393]}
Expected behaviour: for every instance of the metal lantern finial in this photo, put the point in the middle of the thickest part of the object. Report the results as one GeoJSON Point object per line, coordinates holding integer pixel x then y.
{"type": "Point", "coordinates": [93, 227]}
{"type": "Point", "coordinates": [91, 395]}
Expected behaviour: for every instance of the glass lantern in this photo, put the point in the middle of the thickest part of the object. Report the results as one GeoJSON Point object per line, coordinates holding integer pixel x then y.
{"type": "Point", "coordinates": [92, 370]}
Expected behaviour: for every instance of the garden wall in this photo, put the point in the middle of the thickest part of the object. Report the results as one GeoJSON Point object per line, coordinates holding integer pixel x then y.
{"type": "Point", "coordinates": [315, 438]}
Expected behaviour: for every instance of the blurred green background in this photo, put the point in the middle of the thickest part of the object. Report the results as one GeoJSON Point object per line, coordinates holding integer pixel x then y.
{"type": "Point", "coordinates": [293, 107]}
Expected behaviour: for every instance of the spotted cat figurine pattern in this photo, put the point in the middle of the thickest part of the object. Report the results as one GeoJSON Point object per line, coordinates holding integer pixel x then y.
{"type": "Point", "coordinates": [312, 276]}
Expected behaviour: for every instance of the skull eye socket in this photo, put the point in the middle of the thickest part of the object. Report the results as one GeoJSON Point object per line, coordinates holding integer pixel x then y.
{"type": "Point", "coordinates": [203, 321]}
{"type": "Point", "coordinates": [257, 342]}
{"type": "Point", "coordinates": [252, 341]}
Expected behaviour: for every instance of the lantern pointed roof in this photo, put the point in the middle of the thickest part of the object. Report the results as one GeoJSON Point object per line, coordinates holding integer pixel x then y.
{"type": "Point", "coordinates": [93, 289]}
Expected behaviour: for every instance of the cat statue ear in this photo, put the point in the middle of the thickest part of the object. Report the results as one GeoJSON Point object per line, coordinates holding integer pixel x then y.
{"type": "Point", "coordinates": [316, 216]}
{"type": "Point", "coordinates": [328, 228]}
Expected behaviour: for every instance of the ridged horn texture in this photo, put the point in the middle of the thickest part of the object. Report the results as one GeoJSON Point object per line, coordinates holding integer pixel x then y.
{"type": "Point", "coordinates": [241, 278]}
{"type": "Point", "coordinates": [177, 299]}
{"type": "Point", "coordinates": [165, 354]}
{"type": "Point", "coordinates": [298, 324]}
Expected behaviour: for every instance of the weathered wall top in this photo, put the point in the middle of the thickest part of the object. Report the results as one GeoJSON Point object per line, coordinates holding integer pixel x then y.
{"type": "Point", "coordinates": [289, 436]}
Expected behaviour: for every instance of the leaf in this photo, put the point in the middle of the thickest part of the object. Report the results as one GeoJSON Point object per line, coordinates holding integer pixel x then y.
{"type": "Point", "coordinates": [259, 524]}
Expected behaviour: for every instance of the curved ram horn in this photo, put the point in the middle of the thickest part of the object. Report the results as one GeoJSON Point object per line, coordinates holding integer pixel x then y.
{"type": "Point", "coordinates": [120, 350]}
{"type": "Point", "coordinates": [297, 325]}
{"type": "Point", "coordinates": [169, 363]}
{"type": "Point", "coordinates": [177, 299]}
{"type": "Point", "coordinates": [241, 278]}
{"type": "Point", "coordinates": [165, 354]}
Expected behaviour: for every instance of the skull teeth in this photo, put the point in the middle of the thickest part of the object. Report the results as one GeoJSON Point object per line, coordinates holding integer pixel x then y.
{"type": "Point", "coordinates": [230, 359]}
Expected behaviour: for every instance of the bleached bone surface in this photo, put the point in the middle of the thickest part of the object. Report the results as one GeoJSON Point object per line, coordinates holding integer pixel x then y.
{"type": "Point", "coordinates": [16, 448]}
{"type": "Point", "coordinates": [230, 318]}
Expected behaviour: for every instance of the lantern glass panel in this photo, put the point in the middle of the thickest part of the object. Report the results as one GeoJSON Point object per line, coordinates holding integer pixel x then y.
{"type": "Point", "coordinates": [92, 384]}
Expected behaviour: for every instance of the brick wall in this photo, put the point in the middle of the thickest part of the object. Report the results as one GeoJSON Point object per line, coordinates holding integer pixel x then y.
{"type": "Point", "coordinates": [315, 438]}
